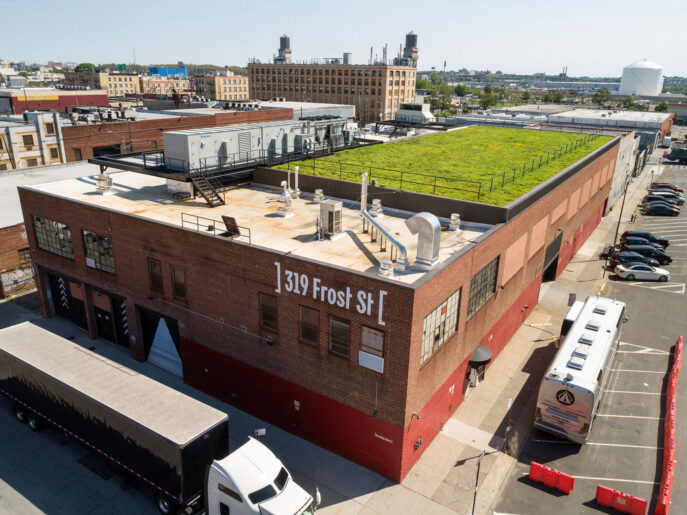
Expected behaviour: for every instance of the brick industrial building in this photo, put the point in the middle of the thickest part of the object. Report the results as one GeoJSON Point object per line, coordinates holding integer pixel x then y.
{"type": "Point", "coordinates": [376, 89]}
{"type": "Point", "coordinates": [312, 334]}
{"type": "Point", "coordinates": [115, 84]}
{"type": "Point", "coordinates": [16, 101]}
{"type": "Point", "coordinates": [221, 87]}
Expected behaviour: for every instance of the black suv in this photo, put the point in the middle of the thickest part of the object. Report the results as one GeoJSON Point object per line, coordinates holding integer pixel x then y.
{"type": "Point", "coordinates": [636, 240]}
{"type": "Point", "coordinates": [663, 242]}
{"type": "Point", "coordinates": [649, 251]}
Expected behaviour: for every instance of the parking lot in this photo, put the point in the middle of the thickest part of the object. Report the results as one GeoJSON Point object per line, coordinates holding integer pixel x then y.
{"type": "Point", "coordinates": [625, 448]}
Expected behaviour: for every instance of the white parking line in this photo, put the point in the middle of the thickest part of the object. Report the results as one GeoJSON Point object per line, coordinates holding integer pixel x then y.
{"type": "Point", "coordinates": [634, 393]}
{"type": "Point", "coordinates": [677, 288]}
{"type": "Point", "coordinates": [644, 348]}
{"type": "Point", "coordinates": [652, 447]}
{"type": "Point", "coordinates": [641, 371]}
{"type": "Point", "coordinates": [627, 416]}
{"type": "Point", "coordinates": [617, 480]}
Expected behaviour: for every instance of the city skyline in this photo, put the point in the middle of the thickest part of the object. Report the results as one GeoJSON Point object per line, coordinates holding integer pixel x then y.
{"type": "Point", "coordinates": [535, 38]}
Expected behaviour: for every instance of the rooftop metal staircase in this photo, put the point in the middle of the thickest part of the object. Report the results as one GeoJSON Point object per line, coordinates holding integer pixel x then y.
{"type": "Point", "coordinates": [208, 188]}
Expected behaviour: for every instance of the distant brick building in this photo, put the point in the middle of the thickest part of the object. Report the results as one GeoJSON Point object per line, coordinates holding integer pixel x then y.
{"type": "Point", "coordinates": [221, 87]}
{"type": "Point", "coordinates": [16, 101]}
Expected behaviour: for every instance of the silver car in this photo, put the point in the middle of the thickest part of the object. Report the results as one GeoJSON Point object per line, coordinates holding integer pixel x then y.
{"type": "Point", "coordinates": [642, 272]}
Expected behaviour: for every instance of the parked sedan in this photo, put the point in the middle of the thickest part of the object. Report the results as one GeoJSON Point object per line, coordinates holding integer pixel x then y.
{"type": "Point", "coordinates": [666, 185]}
{"type": "Point", "coordinates": [660, 209]}
{"type": "Point", "coordinates": [631, 257]}
{"type": "Point", "coordinates": [667, 194]}
{"type": "Point", "coordinates": [632, 271]}
{"type": "Point", "coordinates": [659, 198]}
{"type": "Point", "coordinates": [664, 242]}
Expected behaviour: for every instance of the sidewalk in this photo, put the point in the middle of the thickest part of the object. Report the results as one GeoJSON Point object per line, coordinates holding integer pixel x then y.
{"type": "Point", "coordinates": [443, 480]}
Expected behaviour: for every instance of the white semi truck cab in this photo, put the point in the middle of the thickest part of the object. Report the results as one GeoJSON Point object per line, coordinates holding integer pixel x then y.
{"type": "Point", "coordinates": [252, 480]}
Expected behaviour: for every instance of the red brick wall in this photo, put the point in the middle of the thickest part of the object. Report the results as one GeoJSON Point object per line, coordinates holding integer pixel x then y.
{"type": "Point", "coordinates": [140, 135]}
{"type": "Point", "coordinates": [64, 102]}
{"type": "Point", "coordinates": [495, 322]}
{"type": "Point", "coordinates": [12, 239]}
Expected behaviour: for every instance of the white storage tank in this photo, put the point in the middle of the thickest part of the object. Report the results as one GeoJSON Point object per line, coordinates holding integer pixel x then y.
{"type": "Point", "coordinates": [642, 78]}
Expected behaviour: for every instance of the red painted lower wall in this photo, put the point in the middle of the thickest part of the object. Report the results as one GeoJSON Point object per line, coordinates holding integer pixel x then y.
{"type": "Point", "coordinates": [443, 403]}
{"type": "Point", "coordinates": [346, 431]}
{"type": "Point", "coordinates": [577, 240]}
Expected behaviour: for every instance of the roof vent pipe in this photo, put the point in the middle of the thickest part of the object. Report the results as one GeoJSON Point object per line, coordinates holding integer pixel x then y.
{"type": "Point", "coordinates": [402, 259]}
{"type": "Point", "coordinates": [319, 195]}
{"type": "Point", "coordinates": [429, 229]}
{"type": "Point", "coordinates": [295, 192]}
{"type": "Point", "coordinates": [454, 223]}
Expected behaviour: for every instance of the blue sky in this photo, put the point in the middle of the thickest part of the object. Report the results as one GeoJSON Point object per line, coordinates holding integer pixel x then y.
{"type": "Point", "coordinates": [591, 37]}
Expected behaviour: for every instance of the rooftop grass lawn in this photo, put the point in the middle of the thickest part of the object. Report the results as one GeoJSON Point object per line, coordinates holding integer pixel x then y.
{"type": "Point", "coordinates": [445, 163]}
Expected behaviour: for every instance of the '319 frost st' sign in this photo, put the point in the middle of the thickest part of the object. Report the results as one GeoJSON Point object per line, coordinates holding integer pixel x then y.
{"type": "Point", "coordinates": [301, 284]}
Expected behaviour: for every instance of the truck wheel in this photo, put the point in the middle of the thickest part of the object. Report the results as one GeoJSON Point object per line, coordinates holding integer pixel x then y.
{"type": "Point", "coordinates": [19, 412]}
{"type": "Point", "coordinates": [165, 504]}
{"type": "Point", "coordinates": [34, 422]}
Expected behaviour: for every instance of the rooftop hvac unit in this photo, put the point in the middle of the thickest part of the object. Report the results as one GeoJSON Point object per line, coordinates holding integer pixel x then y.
{"type": "Point", "coordinates": [331, 214]}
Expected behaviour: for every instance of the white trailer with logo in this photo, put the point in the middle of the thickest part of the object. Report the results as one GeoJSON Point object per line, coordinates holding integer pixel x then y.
{"type": "Point", "coordinates": [574, 383]}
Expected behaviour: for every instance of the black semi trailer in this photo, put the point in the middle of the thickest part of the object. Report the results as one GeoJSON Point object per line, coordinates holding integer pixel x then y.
{"type": "Point", "coordinates": [154, 432]}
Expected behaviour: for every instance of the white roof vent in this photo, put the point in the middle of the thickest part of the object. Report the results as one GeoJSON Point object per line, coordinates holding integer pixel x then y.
{"type": "Point", "coordinates": [576, 362]}
{"type": "Point", "coordinates": [593, 325]}
{"type": "Point", "coordinates": [587, 338]}
{"type": "Point", "coordinates": [599, 309]}
{"type": "Point", "coordinates": [582, 351]}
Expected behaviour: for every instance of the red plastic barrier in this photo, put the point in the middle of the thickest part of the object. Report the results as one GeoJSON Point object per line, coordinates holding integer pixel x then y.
{"type": "Point", "coordinates": [666, 488]}
{"type": "Point", "coordinates": [624, 503]}
{"type": "Point", "coordinates": [551, 477]}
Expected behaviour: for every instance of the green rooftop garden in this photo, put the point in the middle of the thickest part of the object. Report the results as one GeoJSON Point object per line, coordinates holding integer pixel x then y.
{"type": "Point", "coordinates": [492, 165]}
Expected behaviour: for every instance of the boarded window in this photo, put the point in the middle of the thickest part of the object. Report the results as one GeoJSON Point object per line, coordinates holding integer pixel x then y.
{"type": "Point", "coordinates": [268, 312]}
{"type": "Point", "coordinates": [77, 154]}
{"type": "Point", "coordinates": [155, 275]}
{"type": "Point", "coordinates": [309, 325]}
{"type": "Point", "coordinates": [178, 283]}
{"type": "Point", "coordinates": [24, 258]}
{"type": "Point", "coordinates": [339, 336]}
{"type": "Point", "coordinates": [372, 341]}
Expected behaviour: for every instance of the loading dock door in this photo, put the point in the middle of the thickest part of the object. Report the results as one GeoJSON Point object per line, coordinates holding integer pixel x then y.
{"type": "Point", "coordinates": [551, 259]}
{"type": "Point", "coordinates": [64, 304]}
{"type": "Point", "coordinates": [104, 324]}
{"type": "Point", "coordinates": [161, 341]}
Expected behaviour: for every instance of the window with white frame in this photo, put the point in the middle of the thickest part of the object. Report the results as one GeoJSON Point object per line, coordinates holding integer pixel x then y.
{"type": "Point", "coordinates": [439, 326]}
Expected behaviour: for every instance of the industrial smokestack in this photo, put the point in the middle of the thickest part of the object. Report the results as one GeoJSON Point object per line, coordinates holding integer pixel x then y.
{"type": "Point", "coordinates": [370, 62]}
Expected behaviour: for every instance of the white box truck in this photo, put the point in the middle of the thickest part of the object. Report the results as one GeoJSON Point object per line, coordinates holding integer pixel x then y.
{"type": "Point", "coordinates": [176, 444]}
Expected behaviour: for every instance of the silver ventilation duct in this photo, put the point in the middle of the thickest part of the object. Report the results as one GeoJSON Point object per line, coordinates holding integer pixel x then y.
{"type": "Point", "coordinates": [429, 229]}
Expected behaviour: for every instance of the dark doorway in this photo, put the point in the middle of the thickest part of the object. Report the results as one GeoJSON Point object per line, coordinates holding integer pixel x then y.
{"type": "Point", "coordinates": [550, 271]}
{"type": "Point", "coordinates": [104, 324]}
{"type": "Point", "coordinates": [149, 324]}
{"type": "Point", "coordinates": [64, 304]}
{"type": "Point", "coordinates": [551, 258]}
{"type": "Point", "coordinates": [107, 150]}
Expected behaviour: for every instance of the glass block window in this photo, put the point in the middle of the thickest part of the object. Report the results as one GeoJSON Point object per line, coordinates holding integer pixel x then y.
{"type": "Point", "coordinates": [482, 286]}
{"type": "Point", "coordinates": [98, 250]}
{"type": "Point", "coordinates": [24, 258]}
{"type": "Point", "coordinates": [53, 236]}
{"type": "Point", "coordinates": [439, 326]}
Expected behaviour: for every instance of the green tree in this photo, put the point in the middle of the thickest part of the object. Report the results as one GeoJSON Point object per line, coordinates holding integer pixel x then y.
{"type": "Point", "coordinates": [460, 90]}
{"type": "Point", "coordinates": [423, 84]}
{"type": "Point", "coordinates": [547, 98]}
{"type": "Point", "coordinates": [488, 89]}
{"type": "Point", "coordinates": [558, 96]}
{"type": "Point", "coordinates": [436, 79]}
{"type": "Point", "coordinates": [662, 107]}
{"type": "Point", "coordinates": [23, 74]}
{"type": "Point", "coordinates": [85, 67]}
{"type": "Point", "coordinates": [526, 95]}
{"type": "Point", "coordinates": [488, 100]}
{"type": "Point", "coordinates": [602, 96]}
